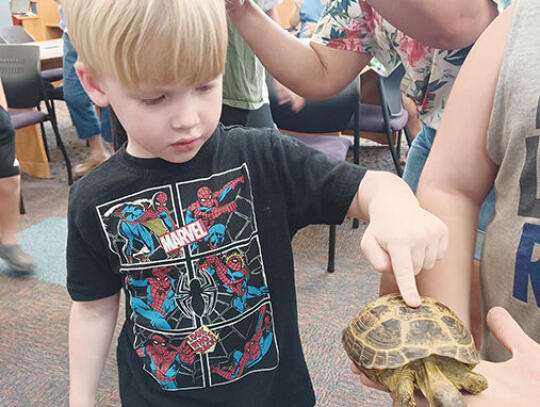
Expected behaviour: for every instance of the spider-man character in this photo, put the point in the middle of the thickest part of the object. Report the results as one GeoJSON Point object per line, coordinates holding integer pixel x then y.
{"type": "Point", "coordinates": [160, 297]}
{"type": "Point", "coordinates": [233, 275]}
{"type": "Point", "coordinates": [207, 208]}
{"type": "Point", "coordinates": [254, 349]}
{"type": "Point", "coordinates": [165, 360]}
{"type": "Point", "coordinates": [139, 219]}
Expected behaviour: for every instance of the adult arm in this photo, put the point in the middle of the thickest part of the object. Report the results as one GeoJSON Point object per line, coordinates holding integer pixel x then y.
{"type": "Point", "coordinates": [401, 237]}
{"type": "Point", "coordinates": [439, 24]}
{"type": "Point", "coordinates": [91, 327]}
{"type": "Point", "coordinates": [311, 70]}
{"type": "Point", "coordinates": [3, 101]}
{"type": "Point", "coordinates": [459, 172]}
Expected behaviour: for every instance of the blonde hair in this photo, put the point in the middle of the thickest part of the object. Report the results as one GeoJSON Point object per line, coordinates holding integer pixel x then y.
{"type": "Point", "coordinates": [150, 42]}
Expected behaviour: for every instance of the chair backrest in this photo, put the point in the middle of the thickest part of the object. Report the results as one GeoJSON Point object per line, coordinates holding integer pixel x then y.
{"type": "Point", "coordinates": [15, 35]}
{"type": "Point", "coordinates": [19, 71]}
{"type": "Point", "coordinates": [390, 89]}
{"type": "Point", "coordinates": [318, 116]}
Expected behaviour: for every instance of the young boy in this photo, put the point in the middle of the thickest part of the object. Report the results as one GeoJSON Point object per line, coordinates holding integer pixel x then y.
{"type": "Point", "coordinates": [194, 221]}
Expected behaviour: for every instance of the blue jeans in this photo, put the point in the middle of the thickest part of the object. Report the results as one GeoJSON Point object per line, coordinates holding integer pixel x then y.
{"type": "Point", "coordinates": [81, 109]}
{"type": "Point", "coordinates": [416, 159]}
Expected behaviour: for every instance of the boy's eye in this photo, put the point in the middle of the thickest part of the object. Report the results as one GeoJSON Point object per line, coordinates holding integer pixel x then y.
{"type": "Point", "coordinates": [153, 101]}
{"type": "Point", "coordinates": [206, 87]}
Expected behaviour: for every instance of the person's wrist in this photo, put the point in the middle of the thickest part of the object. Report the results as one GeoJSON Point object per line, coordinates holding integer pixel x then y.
{"type": "Point", "coordinates": [236, 9]}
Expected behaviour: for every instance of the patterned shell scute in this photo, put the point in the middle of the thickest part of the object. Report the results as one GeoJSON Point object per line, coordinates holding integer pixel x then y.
{"type": "Point", "coordinates": [387, 334]}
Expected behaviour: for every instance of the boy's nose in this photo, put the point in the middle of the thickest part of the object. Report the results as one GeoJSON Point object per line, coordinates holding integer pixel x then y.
{"type": "Point", "coordinates": [185, 116]}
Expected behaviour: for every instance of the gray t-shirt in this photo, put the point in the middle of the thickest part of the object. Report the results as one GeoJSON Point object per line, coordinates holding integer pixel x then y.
{"type": "Point", "coordinates": [510, 273]}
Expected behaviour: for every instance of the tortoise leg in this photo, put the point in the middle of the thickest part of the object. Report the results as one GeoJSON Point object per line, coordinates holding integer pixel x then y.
{"type": "Point", "coordinates": [400, 382]}
{"type": "Point", "coordinates": [462, 376]}
{"type": "Point", "coordinates": [436, 387]}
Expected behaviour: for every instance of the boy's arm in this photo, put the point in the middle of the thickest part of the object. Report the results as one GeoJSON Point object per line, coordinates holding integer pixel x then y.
{"type": "Point", "coordinates": [311, 70]}
{"type": "Point", "coordinates": [401, 236]}
{"type": "Point", "coordinates": [444, 25]}
{"type": "Point", "coordinates": [459, 172]}
{"type": "Point", "coordinates": [91, 327]}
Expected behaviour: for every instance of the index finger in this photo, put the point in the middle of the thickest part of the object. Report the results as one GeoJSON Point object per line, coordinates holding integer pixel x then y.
{"type": "Point", "coordinates": [402, 266]}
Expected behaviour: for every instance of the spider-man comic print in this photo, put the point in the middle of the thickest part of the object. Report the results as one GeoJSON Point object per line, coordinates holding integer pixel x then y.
{"type": "Point", "coordinates": [223, 205]}
{"type": "Point", "coordinates": [199, 303]}
{"type": "Point", "coordinates": [134, 225]}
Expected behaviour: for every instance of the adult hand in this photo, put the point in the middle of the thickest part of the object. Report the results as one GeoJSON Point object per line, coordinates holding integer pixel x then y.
{"type": "Point", "coordinates": [309, 29]}
{"type": "Point", "coordinates": [285, 95]}
{"type": "Point", "coordinates": [514, 382]}
{"type": "Point", "coordinates": [511, 383]}
{"type": "Point", "coordinates": [232, 5]}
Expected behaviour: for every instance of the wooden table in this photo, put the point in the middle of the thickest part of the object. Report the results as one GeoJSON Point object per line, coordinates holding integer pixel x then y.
{"type": "Point", "coordinates": [50, 53]}
{"type": "Point", "coordinates": [28, 140]}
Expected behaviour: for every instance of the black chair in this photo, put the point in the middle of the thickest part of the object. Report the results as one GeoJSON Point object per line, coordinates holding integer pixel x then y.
{"type": "Point", "coordinates": [390, 118]}
{"type": "Point", "coordinates": [24, 89]}
{"type": "Point", "coordinates": [18, 35]}
{"type": "Point", "coordinates": [323, 116]}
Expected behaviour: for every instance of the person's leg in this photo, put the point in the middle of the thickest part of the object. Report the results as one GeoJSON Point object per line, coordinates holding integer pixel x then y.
{"type": "Point", "coordinates": [82, 112]}
{"type": "Point", "coordinates": [9, 200]}
{"type": "Point", "coordinates": [417, 156]}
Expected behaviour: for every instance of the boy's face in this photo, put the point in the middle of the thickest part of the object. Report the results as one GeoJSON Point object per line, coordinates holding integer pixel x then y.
{"type": "Point", "coordinates": [170, 122]}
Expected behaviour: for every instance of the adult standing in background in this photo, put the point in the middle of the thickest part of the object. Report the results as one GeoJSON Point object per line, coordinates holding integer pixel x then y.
{"type": "Point", "coordinates": [245, 95]}
{"type": "Point", "coordinates": [89, 126]}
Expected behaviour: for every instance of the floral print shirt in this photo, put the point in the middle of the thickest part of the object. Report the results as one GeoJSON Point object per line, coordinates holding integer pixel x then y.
{"type": "Point", "coordinates": [354, 25]}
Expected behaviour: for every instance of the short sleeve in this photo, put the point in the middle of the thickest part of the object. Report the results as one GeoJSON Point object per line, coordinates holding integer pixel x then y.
{"type": "Point", "coordinates": [90, 273]}
{"type": "Point", "coordinates": [317, 190]}
{"type": "Point", "coordinates": [353, 25]}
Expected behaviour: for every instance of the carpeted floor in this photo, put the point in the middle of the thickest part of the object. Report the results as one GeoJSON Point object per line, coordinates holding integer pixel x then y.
{"type": "Point", "coordinates": [35, 308]}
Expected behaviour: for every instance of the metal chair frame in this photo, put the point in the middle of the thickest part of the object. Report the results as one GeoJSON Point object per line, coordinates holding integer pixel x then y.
{"type": "Point", "coordinates": [23, 85]}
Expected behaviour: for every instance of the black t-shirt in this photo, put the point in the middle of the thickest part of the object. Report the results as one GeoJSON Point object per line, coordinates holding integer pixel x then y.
{"type": "Point", "coordinates": [203, 252]}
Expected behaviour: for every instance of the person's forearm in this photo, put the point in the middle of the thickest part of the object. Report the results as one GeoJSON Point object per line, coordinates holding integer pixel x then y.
{"type": "Point", "coordinates": [91, 328]}
{"type": "Point", "coordinates": [445, 25]}
{"type": "Point", "coordinates": [450, 280]}
{"type": "Point", "coordinates": [3, 101]}
{"type": "Point", "coordinates": [376, 190]}
{"type": "Point", "coordinates": [285, 57]}
{"type": "Point", "coordinates": [299, 66]}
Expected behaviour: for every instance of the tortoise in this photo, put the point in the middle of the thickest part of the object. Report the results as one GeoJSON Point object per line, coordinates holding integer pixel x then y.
{"type": "Point", "coordinates": [426, 348]}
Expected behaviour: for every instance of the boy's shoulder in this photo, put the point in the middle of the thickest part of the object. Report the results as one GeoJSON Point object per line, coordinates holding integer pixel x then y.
{"type": "Point", "coordinates": [98, 182]}
{"type": "Point", "coordinates": [260, 138]}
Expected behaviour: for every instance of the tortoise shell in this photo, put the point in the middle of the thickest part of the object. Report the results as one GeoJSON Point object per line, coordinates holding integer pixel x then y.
{"type": "Point", "coordinates": [387, 334]}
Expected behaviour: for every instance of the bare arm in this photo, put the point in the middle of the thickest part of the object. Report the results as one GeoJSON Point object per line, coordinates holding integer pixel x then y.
{"type": "Point", "coordinates": [91, 327]}
{"type": "Point", "coordinates": [402, 237]}
{"type": "Point", "coordinates": [459, 172]}
{"type": "Point", "coordinates": [3, 101]}
{"type": "Point", "coordinates": [311, 70]}
{"type": "Point", "coordinates": [440, 24]}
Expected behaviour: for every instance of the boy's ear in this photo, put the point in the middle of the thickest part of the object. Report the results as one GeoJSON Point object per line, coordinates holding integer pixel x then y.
{"type": "Point", "coordinates": [90, 84]}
